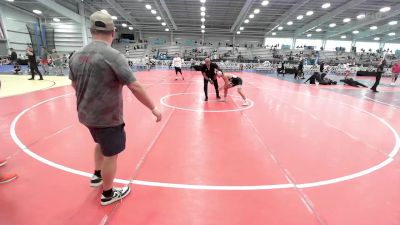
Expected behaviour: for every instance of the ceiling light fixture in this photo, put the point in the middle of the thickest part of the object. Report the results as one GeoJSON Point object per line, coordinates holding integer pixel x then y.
{"type": "Point", "coordinates": [264, 3]}
{"type": "Point", "coordinates": [346, 20]}
{"type": "Point", "coordinates": [326, 5]}
{"type": "Point", "coordinates": [385, 9]}
{"type": "Point", "coordinates": [37, 11]}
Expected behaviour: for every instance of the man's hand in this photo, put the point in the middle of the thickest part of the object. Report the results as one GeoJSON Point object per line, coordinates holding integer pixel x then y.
{"type": "Point", "coordinates": [156, 112]}
{"type": "Point", "coordinates": [210, 80]}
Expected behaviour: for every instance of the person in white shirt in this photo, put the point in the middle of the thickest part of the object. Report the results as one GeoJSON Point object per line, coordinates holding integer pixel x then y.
{"type": "Point", "coordinates": [147, 62]}
{"type": "Point", "coordinates": [177, 63]}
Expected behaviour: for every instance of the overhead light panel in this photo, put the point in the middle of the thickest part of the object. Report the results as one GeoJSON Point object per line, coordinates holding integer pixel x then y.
{"type": "Point", "coordinates": [309, 13]}
{"type": "Point", "coordinates": [148, 7]}
{"type": "Point", "coordinates": [153, 11]}
{"type": "Point", "coordinates": [273, 33]}
{"type": "Point", "coordinates": [280, 28]}
{"type": "Point", "coordinates": [203, 9]}
{"type": "Point", "coordinates": [246, 21]}
{"type": "Point", "coordinates": [251, 16]}
{"type": "Point", "coordinates": [202, 14]}
{"type": "Point", "coordinates": [309, 35]}
{"type": "Point", "coordinates": [361, 16]}
{"type": "Point", "coordinates": [158, 17]}
{"type": "Point", "coordinates": [332, 25]}
{"type": "Point", "coordinates": [202, 31]}
{"type": "Point", "coordinates": [343, 37]}
{"type": "Point", "coordinates": [238, 32]}
{"type": "Point", "coordinates": [203, 20]}
{"type": "Point", "coordinates": [318, 30]}
{"type": "Point", "coordinates": [114, 17]}
{"type": "Point", "coordinates": [163, 24]}
{"type": "Point", "coordinates": [203, 1]}
{"type": "Point", "coordinates": [300, 17]}
{"type": "Point", "coordinates": [392, 23]}
{"type": "Point", "coordinates": [264, 3]}
{"type": "Point", "coordinates": [56, 20]}
{"type": "Point", "coordinates": [37, 11]}
{"type": "Point", "coordinates": [373, 28]}
{"type": "Point", "coordinates": [124, 25]}
{"type": "Point", "coordinates": [356, 32]}
{"type": "Point", "coordinates": [241, 28]}
{"type": "Point", "coordinates": [377, 39]}
{"type": "Point", "coordinates": [256, 11]}
{"type": "Point", "coordinates": [385, 9]}
{"type": "Point", "coordinates": [346, 20]}
{"type": "Point", "coordinates": [392, 34]}
{"type": "Point", "coordinates": [326, 5]}
{"type": "Point", "coordinates": [203, 27]}
{"type": "Point", "coordinates": [290, 23]}
{"type": "Point", "coordinates": [130, 28]}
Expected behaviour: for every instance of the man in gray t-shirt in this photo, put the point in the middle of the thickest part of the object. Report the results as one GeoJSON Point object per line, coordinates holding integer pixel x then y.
{"type": "Point", "coordinates": [98, 74]}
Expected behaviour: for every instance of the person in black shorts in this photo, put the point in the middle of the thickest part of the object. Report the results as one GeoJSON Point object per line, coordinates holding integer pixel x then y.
{"type": "Point", "coordinates": [230, 82]}
{"type": "Point", "coordinates": [177, 63]}
{"type": "Point", "coordinates": [98, 74]}
{"type": "Point", "coordinates": [208, 70]}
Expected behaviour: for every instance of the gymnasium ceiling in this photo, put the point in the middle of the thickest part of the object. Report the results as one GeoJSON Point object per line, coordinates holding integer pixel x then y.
{"type": "Point", "coordinates": [226, 17]}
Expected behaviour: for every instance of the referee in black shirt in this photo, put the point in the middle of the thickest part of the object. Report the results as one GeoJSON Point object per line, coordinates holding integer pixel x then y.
{"type": "Point", "coordinates": [209, 73]}
{"type": "Point", "coordinates": [32, 63]}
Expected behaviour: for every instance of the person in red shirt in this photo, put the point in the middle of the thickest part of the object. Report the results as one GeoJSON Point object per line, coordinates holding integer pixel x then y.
{"type": "Point", "coordinates": [395, 72]}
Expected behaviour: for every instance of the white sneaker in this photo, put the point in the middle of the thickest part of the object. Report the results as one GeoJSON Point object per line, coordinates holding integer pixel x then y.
{"type": "Point", "coordinates": [118, 193]}
{"type": "Point", "coordinates": [96, 181]}
{"type": "Point", "coordinates": [246, 103]}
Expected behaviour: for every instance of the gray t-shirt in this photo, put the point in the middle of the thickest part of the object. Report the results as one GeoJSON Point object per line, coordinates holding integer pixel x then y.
{"type": "Point", "coordinates": [100, 72]}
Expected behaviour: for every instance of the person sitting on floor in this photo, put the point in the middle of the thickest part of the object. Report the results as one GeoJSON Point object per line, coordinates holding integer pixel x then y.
{"type": "Point", "coordinates": [17, 68]}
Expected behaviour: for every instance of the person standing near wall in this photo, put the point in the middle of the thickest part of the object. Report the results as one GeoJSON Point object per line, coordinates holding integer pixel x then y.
{"type": "Point", "coordinates": [44, 61]}
{"type": "Point", "coordinates": [32, 63]}
{"type": "Point", "coordinates": [57, 62]}
{"type": "Point", "coordinates": [13, 56]}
